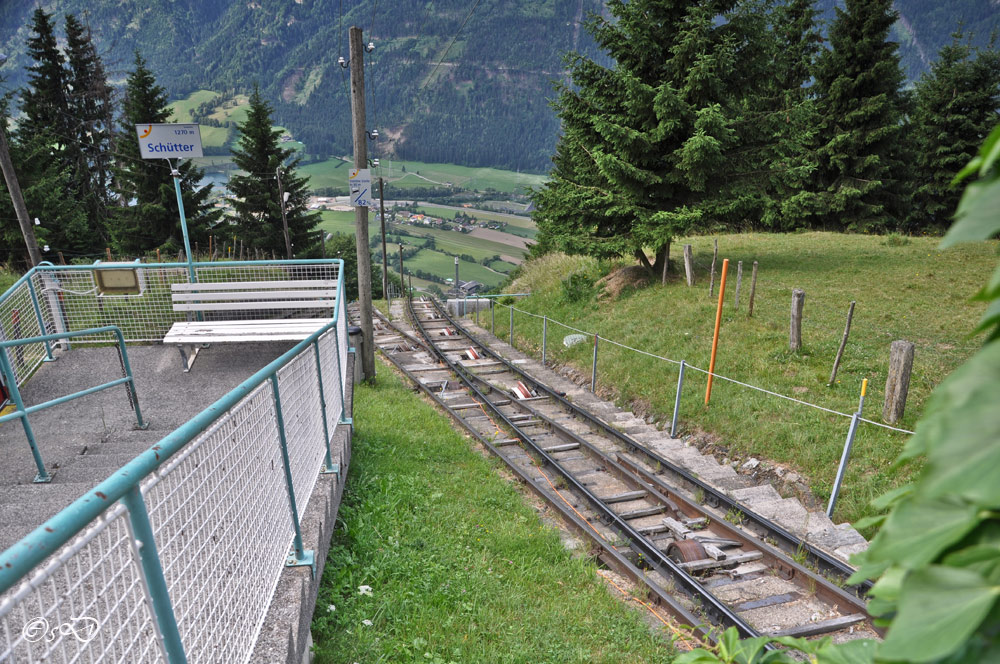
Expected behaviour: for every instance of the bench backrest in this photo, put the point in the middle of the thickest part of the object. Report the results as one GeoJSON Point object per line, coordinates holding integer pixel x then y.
{"type": "Point", "coordinates": [254, 295]}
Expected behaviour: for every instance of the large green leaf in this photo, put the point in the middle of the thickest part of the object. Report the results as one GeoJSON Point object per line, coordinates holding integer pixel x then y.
{"type": "Point", "coordinates": [919, 529]}
{"type": "Point", "coordinates": [977, 217]}
{"type": "Point", "coordinates": [939, 608]}
{"type": "Point", "coordinates": [969, 465]}
{"type": "Point", "coordinates": [859, 651]}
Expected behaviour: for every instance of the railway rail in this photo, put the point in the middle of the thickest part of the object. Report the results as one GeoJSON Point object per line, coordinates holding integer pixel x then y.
{"type": "Point", "coordinates": [704, 558]}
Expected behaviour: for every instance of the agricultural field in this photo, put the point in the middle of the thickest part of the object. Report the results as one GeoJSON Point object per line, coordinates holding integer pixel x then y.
{"type": "Point", "coordinates": [332, 173]}
{"type": "Point", "coordinates": [449, 212]}
{"type": "Point", "coordinates": [428, 260]}
{"type": "Point", "coordinates": [437, 263]}
{"type": "Point", "coordinates": [233, 110]}
{"type": "Point", "coordinates": [905, 289]}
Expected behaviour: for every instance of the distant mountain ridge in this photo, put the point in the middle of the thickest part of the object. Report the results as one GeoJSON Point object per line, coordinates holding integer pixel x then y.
{"type": "Point", "coordinates": [485, 105]}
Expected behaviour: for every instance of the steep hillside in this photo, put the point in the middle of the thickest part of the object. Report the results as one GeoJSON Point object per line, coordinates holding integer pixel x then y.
{"type": "Point", "coordinates": [492, 83]}
{"type": "Point", "coordinates": [485, 105]}
{"type": "Point", "coordinates": [924, 26]}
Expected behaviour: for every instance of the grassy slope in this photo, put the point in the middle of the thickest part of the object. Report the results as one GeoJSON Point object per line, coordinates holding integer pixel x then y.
{"type": "Point", "coordinates": [461, 569]}
{"type": "Point", "coordinates": [912, 292]}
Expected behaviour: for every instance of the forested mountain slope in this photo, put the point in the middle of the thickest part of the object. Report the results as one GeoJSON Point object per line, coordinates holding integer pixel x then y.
{"type": "Point", "coordinates": [485, 105]}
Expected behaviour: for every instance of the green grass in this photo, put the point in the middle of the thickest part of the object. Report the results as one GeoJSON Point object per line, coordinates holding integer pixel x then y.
{"type": "Point", "coordinates": [912, 292]}
{"type": "Point", "coordinates": [182, 107]}
{"type": "Point", "coordinates": [461, 568]}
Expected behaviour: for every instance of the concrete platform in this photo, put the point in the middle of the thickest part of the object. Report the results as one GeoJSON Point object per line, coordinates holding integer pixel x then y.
{"type": "Point", "coordinates": [84, 441]}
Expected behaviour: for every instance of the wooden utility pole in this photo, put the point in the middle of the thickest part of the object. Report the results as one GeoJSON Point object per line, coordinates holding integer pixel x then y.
{"type": "Point", "coordinates": [385, 263]}
{"type": "Point", "coordinates": [402, 286]}
{"type": "Point", "coordinates": [284, 217]}
{"type": "Point", "coordinates": [10, 177]}
{"type": "Point", "coordinates": [357, 55]}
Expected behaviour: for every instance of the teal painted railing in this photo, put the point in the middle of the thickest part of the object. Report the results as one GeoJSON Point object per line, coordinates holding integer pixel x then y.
{"type": "Point", "coordinates": [22, 412]}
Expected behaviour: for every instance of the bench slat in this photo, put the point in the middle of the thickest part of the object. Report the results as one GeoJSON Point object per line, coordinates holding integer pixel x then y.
{"type": "Point", "coordinates": [239, 306]}
{"type": "Point", "coordinates": [248, 295]}
{"type": "Point", "coordinates": [253, 285]}
{"type": "Point", "coordinates": [196, 332]}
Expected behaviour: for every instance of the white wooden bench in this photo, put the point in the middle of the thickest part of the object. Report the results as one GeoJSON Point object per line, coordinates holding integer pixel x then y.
{"type": "Point", "coordinates": [249, 296]}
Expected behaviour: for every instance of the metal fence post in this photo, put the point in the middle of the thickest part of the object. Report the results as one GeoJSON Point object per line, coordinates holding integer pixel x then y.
{"type": "Point", "coordinates": [328, 462]}
{"type": "Point", "coordinates": [512, 326]}
{"type": "Point", "coordinates": [493, 317]}
{"type": "Point", "coordinates": [38, 316]}
{"type": "Point", "coordinates": [15, 395]}
{"type": "Point", "coordinates": [593, 369]}
{"type": "Point", "coordinates": [545, 335]}
{"type": "Point", "coordinates": [841, 469]}
{"type": "Point", "coordinates": [144, 545]}
{"type": "Point", "coordinates": [677, 401]}
{"type": "Point", "coordinates": [127, 367]}
{"type": "Point", "coordinates": [300, 557]}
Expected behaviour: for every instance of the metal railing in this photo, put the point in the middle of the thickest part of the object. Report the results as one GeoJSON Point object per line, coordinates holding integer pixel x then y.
{"type": "Point", "coordinates": [176, 556]}
{"type": "Point", "coordinates": [22, 412]}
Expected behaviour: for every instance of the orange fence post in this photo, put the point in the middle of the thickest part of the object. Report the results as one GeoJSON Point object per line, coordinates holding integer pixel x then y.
{"type": "Point", "coordinates": [718, 322]}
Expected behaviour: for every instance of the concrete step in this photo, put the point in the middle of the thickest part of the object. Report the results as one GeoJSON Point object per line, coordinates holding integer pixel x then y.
{"type": "Point", "coordinates": [24, 507]}
{"type": "Point", "coordinates": [756, 494]}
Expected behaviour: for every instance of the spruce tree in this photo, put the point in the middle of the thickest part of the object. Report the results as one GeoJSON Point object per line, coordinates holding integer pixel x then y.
{"type": "Point", "coordinates": [257, 202]}
{"type": "Point", "coordinates": [797, 43]}
{"type": "Point", "coordinates": [862, 179]}
{"type": "Point", "coordinates": [956, 108]}
{"type": "Point", "coordinates": [147, 216]}
{"type": "Point", "coordinates": [641, 139]}
{"type": "Point", "coordinates": [90, 107]}
{"type": "Point", "coordinates": [43, 102]}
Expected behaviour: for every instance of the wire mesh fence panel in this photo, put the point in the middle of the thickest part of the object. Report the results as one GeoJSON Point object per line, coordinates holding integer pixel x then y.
{"type": "Point", "coordinates": [18, 321]}
{"type": "Point", "coordinates": [329, 357]}
{"type": "Point", "coordinates": [298, 384]}
{"type": "Point", "coordinates": [223, 525]}
{"type": "Point", "coordinates": [85, 604]}
{"type": "Point", "coordinates": [143, 315]}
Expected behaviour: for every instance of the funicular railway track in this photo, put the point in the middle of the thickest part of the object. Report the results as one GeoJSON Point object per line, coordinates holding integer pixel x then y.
{"type": "Point", "coordinates": [703, 557]}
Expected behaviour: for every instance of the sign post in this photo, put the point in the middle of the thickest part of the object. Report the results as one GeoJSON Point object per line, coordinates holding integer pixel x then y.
{"type": "Point", "coordinates": [172, 141]}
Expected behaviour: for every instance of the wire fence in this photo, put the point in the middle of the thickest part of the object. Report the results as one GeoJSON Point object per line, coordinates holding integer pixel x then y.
{"type": "Point", "coordinates": [178, 554]}
{"type": "Point", "coordinates": [546, 321]}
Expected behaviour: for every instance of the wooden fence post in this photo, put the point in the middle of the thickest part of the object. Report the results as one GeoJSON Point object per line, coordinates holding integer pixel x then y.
{"type": "Point", "coordinates": [753, 289]}
{"type": "Point", "coordinates": [795, 336]}
{"type": "Point", "coordinates": [739, 282]}
{"type": "Point", "coordinates": [689, 264]}
{"type": "Point", "coordinates": [898, 383]}
{"type": "Point", "coordinates": [843, 344]}
{"type": "Point", "coordinates": [711, 283]}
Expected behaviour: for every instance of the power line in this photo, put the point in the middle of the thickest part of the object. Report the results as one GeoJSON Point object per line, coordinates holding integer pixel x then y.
{"type": "Point", "coordinates": [453, 39]}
